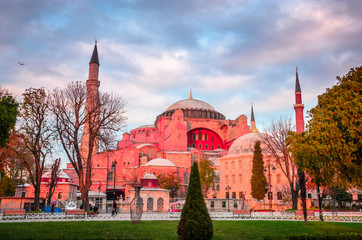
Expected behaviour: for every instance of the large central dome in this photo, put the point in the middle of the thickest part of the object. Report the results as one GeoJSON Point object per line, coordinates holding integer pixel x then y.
{"type": "Point", "coordinates": [190, 104]}
{"type": "Point", "coordinates": [192, 108]}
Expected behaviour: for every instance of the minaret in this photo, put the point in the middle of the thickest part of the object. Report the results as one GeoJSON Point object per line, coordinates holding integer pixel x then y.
{"type": "Point", "coordinates": [298, 106]}
{"type": "Point", "coordinates": [252, 121]}
{"type": "Point", "coordinates": [92, 101]}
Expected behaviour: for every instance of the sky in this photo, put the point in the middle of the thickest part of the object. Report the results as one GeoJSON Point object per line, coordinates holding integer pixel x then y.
{"type": "Point", "coordinates": [152, 52]}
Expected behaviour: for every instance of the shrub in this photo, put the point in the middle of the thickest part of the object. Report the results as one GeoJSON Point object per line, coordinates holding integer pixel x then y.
{"type": "Point", "coordinates": [195, 222]}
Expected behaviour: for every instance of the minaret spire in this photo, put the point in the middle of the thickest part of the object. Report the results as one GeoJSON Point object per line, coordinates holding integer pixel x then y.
{"type": "Point", "coordinates": [92, 101]}
{"type": "Point", "coordinates": [252, 120]}
{"type": "Point", "coordinates": [298, 106]}
{"type": "Point", "coordinates": [190, 94]}
{"type": "Point", "coordinates": [297, 85]}
{"type": "Point", "coordinates": [94, 58]}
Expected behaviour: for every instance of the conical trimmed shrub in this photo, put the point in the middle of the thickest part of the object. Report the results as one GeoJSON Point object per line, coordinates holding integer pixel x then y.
{"type": "Point", "coordinates": [195, 220]}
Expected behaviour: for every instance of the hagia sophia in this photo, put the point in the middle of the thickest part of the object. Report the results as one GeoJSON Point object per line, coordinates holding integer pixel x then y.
{"type": "Point", "coordinates": [186, 131]}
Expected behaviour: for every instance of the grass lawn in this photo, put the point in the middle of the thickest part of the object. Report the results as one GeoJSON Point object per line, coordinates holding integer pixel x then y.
{"type": "Point", "coordinates": [164, 229]}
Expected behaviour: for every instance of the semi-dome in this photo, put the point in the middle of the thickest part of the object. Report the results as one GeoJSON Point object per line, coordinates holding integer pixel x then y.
{"type": "Point", "coordinates": [160, 162]}
{"type": "Point", "coordinates": [190, 104]}
{"type": "Point", "coordinates": [245, 144]}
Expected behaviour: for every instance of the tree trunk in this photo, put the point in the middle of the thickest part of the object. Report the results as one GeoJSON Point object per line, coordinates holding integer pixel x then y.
{"type": "Point", "coordinates": [319, 203]}
{"type": "Point", "coordinates": [36, 196]}
{"type": "Point", "coordinates": [84, 196]}
{"type": "Point", "coordinates": [303, 194]}
{"type": "Point", "coordinates": [294, 197]}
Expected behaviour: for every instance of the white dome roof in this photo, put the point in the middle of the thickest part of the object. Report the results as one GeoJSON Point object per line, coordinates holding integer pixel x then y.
{"type": "Point", "coordinates": [149, 176]}
{"type": "Point", "coordinates": [160, 162]}
{"type": "Point", "coordinates": [245, 144]}
{"type": "Point", "coordinates": [61, 174]}
{"type": "Point", "coordinates": [190, 104]}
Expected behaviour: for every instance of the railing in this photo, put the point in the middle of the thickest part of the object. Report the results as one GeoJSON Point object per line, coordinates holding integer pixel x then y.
{"type": "Point", "coordinates": [290, 216]}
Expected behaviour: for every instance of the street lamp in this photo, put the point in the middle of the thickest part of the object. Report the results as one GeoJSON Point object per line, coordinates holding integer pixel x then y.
{"type": "Point", "coordinates": [270, 195]}
{"type": "Point", "coordinates": [114, 168]}
{"type": "Point", "coordinates": [228, 196]}
{"type": "Point", "coordinates": [99, 193]}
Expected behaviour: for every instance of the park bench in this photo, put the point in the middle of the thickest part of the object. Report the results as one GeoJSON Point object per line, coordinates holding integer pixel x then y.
{"type": "Point", "coordinates": [75, 213]}
{"type": "Point", "coordinates": [242, 213]}
{"type": "Point", "coordinates": [14, 214]}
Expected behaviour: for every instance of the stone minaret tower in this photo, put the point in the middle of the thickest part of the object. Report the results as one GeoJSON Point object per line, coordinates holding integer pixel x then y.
{"type": "Point", "coordinates": [92, 101]}
{"type": "Point", "coordinates": [298, 106]}
{"type": "Point", "coordinates": [252, 121]}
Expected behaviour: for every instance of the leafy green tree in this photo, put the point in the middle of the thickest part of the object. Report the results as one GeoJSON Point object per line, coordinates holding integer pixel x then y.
{"type": "Point", "coordinates": [335, 127]}
{"type": "Point", "coordinates": [341, 196]}
{"type": "Point", "coordinates": [195, 220]}
{"type": "Point", "coordinates": [309, 157]}
{"type": "Point", "coordinates": [7, 187]}
{"type": "Point", "coordinates": [207, 174]}
{"type": "Point", "coordinates": [8, 114]}
{"type": "Point", "coordinates": [169, 181]}
{"type": "Point", "coordinates": [258, 180]}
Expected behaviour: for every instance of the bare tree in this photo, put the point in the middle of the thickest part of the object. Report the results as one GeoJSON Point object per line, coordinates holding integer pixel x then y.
{"type": "Point", "coordinates": [71, 118]}
{"type": "Point", "coordinates": [36, 134]}
{"type": "Point", "coordinates": [54, 177]}
{"type": "Point", "coordinates": [275, 138]}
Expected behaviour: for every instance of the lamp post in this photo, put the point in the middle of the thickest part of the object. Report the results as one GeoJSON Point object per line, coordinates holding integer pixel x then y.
{"type": "Point", "coordinates": [99, 193]}
{"type": "Point", "coordinates": [228, 196]}
{"type": "Point", "coordinates": [114, 168]}
{"type": "Point", "coordinates": [270, 194]}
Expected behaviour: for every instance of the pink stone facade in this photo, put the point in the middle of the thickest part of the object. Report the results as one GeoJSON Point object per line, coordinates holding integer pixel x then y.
{"type": "Point", "coordinates": [183, 133]}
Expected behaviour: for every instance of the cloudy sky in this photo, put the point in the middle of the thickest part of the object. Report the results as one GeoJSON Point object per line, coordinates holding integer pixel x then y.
{"type": "Point", "coordinates": [230, 53]}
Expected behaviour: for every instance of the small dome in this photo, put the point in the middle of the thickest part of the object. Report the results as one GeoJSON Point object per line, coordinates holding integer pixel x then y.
{"type": "Point", "coordinates": [245, 144]}
{"type": "Point", "coordinates": [149, 176]}
{"type": "Point", "coordinates": [160, 162]}
{"type": "Point", "coordinates": [190, 104]}
{"type": "Point", "coordinates": [61, 175]}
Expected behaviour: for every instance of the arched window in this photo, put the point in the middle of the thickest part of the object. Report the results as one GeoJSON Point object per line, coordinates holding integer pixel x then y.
{"type": "Point", "coordinates": [200, 147]}
{"type": "Point", "coordinates": [206, 147]}
{"type": "Point", "coordinates": [233, 179]}
{"type": "Point", "coordinates": [227, 179]}
{"type": "Point", "coordinates": [110, 176]}
{"type": "Point", "coordinates": [150, 153]}
{"type": "Point", "coordinates": [226, 165]}
{"type": "Point", "coordinates": [160, 204]}
{"type": "Point", "coordinates": [212, 147]}
{"type": "Point", "coordinates": [150, 204]}
{"type": "Point", "coordinates": [200, 136]}
{"type": "Point", "coordinates": [239, 163]}
{"type": "Point", "coordinates": [279, 180]}
{"type": "Point", "coordinates": [232, 165]}
{"type": "Point", "coordinates": [240, 179]}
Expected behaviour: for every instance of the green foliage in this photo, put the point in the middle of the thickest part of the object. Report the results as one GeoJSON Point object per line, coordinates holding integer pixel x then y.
{"type": "Point", "coordinates": [169, 181]}
{"type": "Point", "coordinates": [195, 222]}
{"type": "Point", "coordinates": [207, 174]}
{"type": "Point", "coordinates": [331, 148]}
{"type": "Point", "coordinates": [8, 113]}
{"type": "Point", "coordinates": [7, 188]}
{"type": "Point", "coordinates": [340, 195]}
{"type": "Point", "coordinates": [258, 180]}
